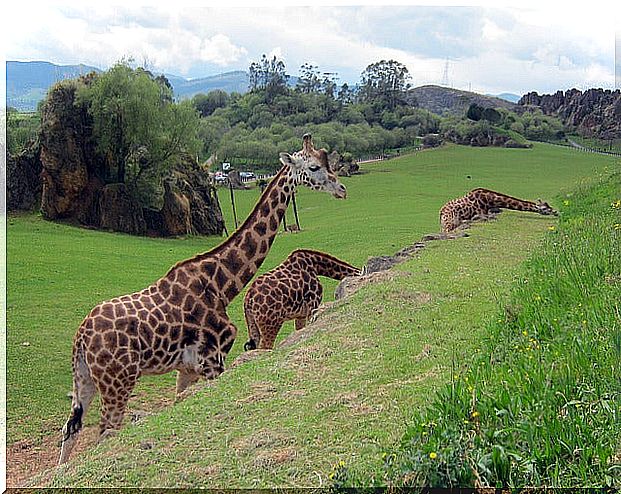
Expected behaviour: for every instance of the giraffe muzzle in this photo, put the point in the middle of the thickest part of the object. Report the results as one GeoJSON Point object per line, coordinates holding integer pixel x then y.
{"type": "Point", "coordinates": [340, 192]}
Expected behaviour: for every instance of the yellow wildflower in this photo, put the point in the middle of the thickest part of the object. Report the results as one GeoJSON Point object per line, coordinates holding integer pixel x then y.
{"type": "Point", "coordinates": [433, 455]}
{"type": "Point", "coordinates": [551, 228]}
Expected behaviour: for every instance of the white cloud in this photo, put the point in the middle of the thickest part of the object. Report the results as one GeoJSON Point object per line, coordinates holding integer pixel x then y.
{"type": "Point", "coordinates": [220, 50]}
{"type": "Point", "coordinates": [508, 49]}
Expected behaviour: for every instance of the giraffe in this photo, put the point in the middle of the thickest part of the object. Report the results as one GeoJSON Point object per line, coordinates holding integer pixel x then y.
{"type": "Point", "coordinates": [290, 291]}
{"type": "Point", "coordinates": [481, 203]}
{"type": "Point", "coordinates": [180, 321]}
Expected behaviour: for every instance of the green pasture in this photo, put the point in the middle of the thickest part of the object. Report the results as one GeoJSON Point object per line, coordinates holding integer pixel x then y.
{"type": "Point", "coordinates": [56, 273]}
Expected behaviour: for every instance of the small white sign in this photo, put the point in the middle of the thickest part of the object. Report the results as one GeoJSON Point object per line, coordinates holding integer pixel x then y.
{"type": "Point", "coordinates": [226, 166]}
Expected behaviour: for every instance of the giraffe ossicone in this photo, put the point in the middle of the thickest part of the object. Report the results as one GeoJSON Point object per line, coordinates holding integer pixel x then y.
{"type": "Point", "coordinates": [180, 321]}
{"type": "Point", "coordinates": [290, 291]}
{"type": "Point", "coordinates": [480, 203]}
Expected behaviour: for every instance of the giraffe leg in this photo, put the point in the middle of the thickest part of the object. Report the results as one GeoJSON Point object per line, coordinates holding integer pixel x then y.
{"type": "Point", "coordinates": [268, 335]}
{"type": "Point", "coordinates": [113, 403]}
{"type": "Point", "coordinates": [84, 391]}
{"type": "Point", "coordinates": [184, 380]}
{"type": "Point", "coordinates": [254, 333]}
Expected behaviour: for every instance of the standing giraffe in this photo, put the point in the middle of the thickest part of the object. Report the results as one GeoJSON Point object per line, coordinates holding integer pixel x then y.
{"type": "Point", "coordinates": [290, 291]}
{"type": "Point", "coordinates": [180, 321]}
{"type": "Point", "coordinates": [482, 202]}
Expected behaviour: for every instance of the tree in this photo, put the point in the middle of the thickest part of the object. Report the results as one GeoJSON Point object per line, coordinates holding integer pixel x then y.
{"type": "Point", "coordinates": [206, 104]}
{"type": "Point", "coordinates": [385, 82]}
{"type": "Point", "coordinates": [475, 112]}
{"type": "Point", "coordinates": [309, 81]}
{"type": "Point", "coordinates": [346, 95]}
{"type": "Point", "coordinates": [137, 127]}
{"type": "Point", "coordinates": [268, 75]}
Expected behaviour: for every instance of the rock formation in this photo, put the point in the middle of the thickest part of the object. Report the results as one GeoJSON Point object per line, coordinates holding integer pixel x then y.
{"type": "Point", "coordinates": [75, 186]}
{"type": "Point", "coordinates": [23, 186]}
{"type": "Point", "coordinates": [343, 165]}
{"type": "Point", "coordinates": [70, 182]}
{"type": "Point", "coordinates": [595, 112]}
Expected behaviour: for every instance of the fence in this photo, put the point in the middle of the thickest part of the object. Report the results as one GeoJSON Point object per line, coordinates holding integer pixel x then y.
{"type": "Point", "coordinates": [579, 147]}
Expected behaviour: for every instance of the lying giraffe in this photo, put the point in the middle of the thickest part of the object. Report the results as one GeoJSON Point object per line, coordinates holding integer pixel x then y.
{"type": "Point", "coordinates": [483, 202]}
{"type": "Point", "coordinates": [180, 321]}
{"type": "Point", "coordinates": [290, 291]}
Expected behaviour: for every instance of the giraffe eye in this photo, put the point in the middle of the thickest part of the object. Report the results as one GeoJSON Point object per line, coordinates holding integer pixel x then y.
{"type": "Point", "coordinates": [313, 168]}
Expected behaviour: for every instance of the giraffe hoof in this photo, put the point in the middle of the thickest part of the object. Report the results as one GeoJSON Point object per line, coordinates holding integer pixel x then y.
{"type": "Point", "coordinates": [107, 434]}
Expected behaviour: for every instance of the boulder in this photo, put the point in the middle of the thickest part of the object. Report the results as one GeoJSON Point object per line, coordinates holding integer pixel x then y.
{"type": "Point", "coordinates": [235, 180]}
{"type": "Point", "coordinates": [176, 216]}
{"type": "Point", "coordinates": [23, 181]}
{"type": "Point", "coordinates": [120, 212]}
{"type": "Point", "coordinates": [193, 182]}
{"type": "Point", "coordinates": [343, 164]}
{"type": "Point", "coordinates": [69, 182]}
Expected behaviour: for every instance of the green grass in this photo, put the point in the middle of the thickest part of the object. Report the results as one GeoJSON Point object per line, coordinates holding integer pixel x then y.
{"type": "Point", "coordinates": [540, 405]}
{"type": "Point", "coordinates": [56, 273]}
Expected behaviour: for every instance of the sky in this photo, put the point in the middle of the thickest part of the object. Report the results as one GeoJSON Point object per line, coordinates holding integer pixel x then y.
{"type": "Point", "coordinates": [480, 46]}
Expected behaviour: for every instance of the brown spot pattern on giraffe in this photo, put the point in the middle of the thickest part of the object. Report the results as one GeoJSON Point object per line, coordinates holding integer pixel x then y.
{"type": "Point", "coordinates": [291, 291]}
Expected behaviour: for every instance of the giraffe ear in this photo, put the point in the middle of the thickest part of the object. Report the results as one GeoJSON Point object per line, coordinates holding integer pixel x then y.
{"type": "Point", "coordinates": [287, 159]}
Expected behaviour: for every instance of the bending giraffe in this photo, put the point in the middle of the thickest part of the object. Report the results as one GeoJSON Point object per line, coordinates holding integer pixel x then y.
{"type": "Point", "coordinates": [290, 291]}
{"type": "Point", "coordinates": [480, 203]}
{"type": "Point", "coordinates": [180, 321]}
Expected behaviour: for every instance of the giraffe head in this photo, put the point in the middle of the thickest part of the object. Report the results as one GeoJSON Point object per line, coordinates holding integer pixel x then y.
{"type": "Point", "coordinates": [312, 169]}
{"type": "Point", "coordinates": [544, 208]}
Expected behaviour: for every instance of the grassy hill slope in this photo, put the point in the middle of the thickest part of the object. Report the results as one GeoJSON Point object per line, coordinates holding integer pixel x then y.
{"type": "Point", "coordinates": [290, 417]}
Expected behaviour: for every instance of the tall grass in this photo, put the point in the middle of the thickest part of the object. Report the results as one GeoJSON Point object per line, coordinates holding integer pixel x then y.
{"type": "Point", "coordinates": [541, 406]}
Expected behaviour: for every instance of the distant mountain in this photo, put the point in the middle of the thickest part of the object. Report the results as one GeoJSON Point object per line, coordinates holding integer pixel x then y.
{"type": "Point", "coordinates": [236, 81]}
{"type": "Point", "coordinates": [27, 82]}
{"type": "Point", "coordinates": [448, 101]}
{"type": "Point", "coordinates": [514, 98]}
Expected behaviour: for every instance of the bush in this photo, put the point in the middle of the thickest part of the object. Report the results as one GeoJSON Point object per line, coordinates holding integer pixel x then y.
{"type": "Point", "coordinates": [431, 141]}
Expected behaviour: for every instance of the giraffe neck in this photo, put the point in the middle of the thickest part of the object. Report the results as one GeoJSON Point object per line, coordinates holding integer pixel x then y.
{"type": "Point", "coordinates": [327, 265]}
{"type": "Point", "coordinates": [228, 268]}
{"type": "Point", "coordinates": [496, 199]}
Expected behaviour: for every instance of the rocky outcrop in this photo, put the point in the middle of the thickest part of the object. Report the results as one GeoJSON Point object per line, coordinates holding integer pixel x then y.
{"type": "Point", "coordinates": [70, 184]}
{"type": "Point", "coordinates": [120, 212]}
{"type": "Point", "coordinates": [176, 216]}
{"type": "Point", "coordinates": [343, 164]}
{"type": "Point", "coordinates": [23, 181]}
{"type": "Point", "coordinates": [193, 182]}
{"type": "Point", "coordinates": [74, 183]}
{"type": "Point", "coordinates": [595, 112]}
{"type": "Point", "coordinates": [482, 138]}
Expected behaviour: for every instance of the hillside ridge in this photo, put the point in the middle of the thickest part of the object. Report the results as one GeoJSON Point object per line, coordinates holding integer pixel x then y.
{"type": "Point", "coordinates": [449, 101]}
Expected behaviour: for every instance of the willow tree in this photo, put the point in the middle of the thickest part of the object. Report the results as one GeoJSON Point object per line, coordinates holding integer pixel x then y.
{"type": "Point", "coordinates": [139, 129]}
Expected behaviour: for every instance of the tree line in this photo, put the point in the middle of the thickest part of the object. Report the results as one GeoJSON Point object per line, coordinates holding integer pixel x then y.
{"type": "Point", "coordinates": [140, 129]}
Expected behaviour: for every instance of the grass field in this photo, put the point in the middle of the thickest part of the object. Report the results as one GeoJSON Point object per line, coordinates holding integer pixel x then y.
{"type": "Point", "coordinates": [56, 273]}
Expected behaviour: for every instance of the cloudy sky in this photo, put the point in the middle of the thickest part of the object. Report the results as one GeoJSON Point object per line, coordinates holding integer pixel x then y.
{"type": "Point", "coordinates": [474, 46]}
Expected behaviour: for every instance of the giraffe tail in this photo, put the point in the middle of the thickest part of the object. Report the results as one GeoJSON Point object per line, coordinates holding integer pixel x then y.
{"type": "Point", "coordinates": [83, 393]}
{"type": "Point", "coordinates": [254, 336]}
